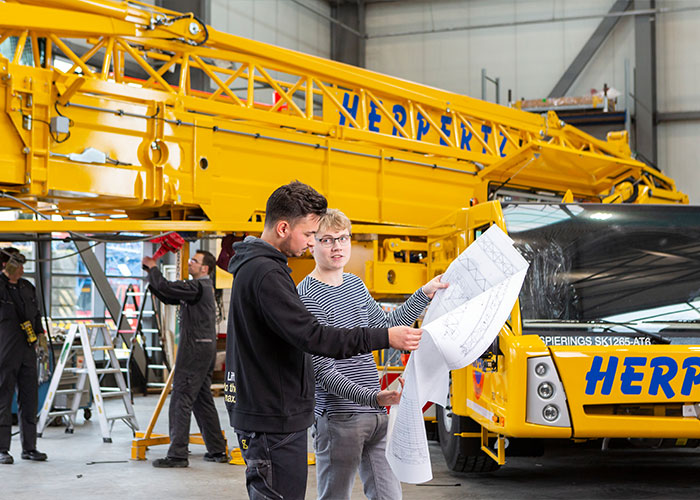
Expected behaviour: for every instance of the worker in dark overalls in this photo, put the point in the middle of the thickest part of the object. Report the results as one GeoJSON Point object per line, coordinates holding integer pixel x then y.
{"type": "Point", "coordinates": [196, 354]}
{"type": "Point", "coordinates": [20, 324]}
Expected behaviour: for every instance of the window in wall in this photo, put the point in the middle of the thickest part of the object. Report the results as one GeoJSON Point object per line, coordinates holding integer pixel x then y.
{"type": "Point", "coordinates": [73, 295]}
{"type": "Point", "coordinates": [123, 267]}
{"type": "Point", "coordinates": [124, 259]}
{"type": "Point", "coordinates": [65, 258]}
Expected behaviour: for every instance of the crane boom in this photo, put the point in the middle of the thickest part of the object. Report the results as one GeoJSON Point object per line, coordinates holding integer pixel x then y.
{"type": "Point", "coordinates": [94, 139]}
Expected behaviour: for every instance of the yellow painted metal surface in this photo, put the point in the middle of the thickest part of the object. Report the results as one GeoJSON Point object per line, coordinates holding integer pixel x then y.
{"type": "Point", "coordinates": [635, 391]}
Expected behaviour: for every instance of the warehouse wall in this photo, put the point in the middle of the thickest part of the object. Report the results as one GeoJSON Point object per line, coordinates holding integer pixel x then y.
{"type": "Point", "coordinates": [279, 22]}
{"type": "Point", "coordinates": [530, 58]}
{"type": "Point", "coordinates": [678, 74]}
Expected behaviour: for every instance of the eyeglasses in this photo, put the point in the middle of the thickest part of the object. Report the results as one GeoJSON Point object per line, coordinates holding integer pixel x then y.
{"type": "Point", "coordinates": [329, 242]}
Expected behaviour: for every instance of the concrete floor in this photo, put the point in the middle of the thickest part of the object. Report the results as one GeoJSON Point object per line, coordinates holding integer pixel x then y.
{"type": "Point", "coordinates": [81, 466]}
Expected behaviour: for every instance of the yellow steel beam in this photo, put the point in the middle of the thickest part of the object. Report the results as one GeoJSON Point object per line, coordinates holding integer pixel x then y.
{"type": "Point", "coordinates": [62, 21]}
{"type": "Point", "coordinates": [125, 225]}
{"type": "Point", "coordinates": [159, 226]}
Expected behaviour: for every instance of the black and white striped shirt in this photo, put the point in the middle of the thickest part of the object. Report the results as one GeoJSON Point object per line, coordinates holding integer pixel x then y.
{"type": "Point", "coordinates": [351, 385]}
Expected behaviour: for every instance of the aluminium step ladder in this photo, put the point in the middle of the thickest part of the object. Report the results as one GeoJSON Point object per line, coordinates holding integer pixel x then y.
{"type": "Point", "coordinates": [82, 339]}
{"type": "Point", "coordinates": [140, 330]}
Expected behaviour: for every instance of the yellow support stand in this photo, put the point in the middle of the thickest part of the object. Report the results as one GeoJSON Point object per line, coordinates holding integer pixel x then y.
{"type": "Point", "coordinates": [146, 439]}
{"type": "Point", "coordinates": [236, 457]}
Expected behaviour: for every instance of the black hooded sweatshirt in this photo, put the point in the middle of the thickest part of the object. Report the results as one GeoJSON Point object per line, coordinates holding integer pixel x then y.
{"type": "Point", "coordinates": [269, 375]}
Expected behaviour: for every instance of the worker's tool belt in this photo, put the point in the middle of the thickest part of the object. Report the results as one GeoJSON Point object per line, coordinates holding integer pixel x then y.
{"type": "Point", "coordinates": [29, 331]}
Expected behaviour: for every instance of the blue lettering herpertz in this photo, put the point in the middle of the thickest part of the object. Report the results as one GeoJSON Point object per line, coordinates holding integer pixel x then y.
{"type": "Point", "coordinates": [664, 370]}
{"type": "Point", "coordinates": [399, 116]}
{"type": "Point", "coordinates": [351, 110]}
{"type": "Point", "coordinates": [660, 378]}
{"type": "Point", "coordinates": [595, 375]}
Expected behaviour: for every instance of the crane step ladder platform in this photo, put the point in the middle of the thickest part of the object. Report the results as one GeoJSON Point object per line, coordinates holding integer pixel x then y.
{"type": "Point", "coordinates": [90, 341]}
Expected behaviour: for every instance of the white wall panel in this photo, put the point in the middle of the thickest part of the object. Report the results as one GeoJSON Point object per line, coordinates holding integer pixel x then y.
{"type": "Point", "coordinates": [678, 64]}
{"type": "Point", "coordinates": [678, 74]}
{"type": "Point", "coordinates": [608, 65]}
{"type": "Point", "coordinates": [530, 58]}
{"type": "Point", "coordinates": [278, 22]}
{"type": "Point", "coordinates": [679, 150]}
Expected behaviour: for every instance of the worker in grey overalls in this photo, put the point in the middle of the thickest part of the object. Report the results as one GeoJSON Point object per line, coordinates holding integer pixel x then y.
{"type": "Point", "coordinates": [20, 326]}
{"type": "Point", "coordinates": [196, 355]}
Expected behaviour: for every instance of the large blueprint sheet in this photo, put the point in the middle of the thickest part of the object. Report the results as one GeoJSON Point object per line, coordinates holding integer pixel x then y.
{"type": "Point", "coordinates": [461, 323]}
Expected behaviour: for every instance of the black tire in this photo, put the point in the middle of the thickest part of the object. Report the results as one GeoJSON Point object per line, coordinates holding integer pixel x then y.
{"type": "Point", "coordinates": [462, 454]}
{"type": "Point", "coordinates": [87, 413]}
{"type": "Point", "coordinates": [431, 430]}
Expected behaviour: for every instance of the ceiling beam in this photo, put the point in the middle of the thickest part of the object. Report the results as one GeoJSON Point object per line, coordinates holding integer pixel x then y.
{"type": "Point", "coordinates": [589, 49]}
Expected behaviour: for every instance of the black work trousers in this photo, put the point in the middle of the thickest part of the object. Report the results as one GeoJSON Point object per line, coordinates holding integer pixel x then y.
{"type": "Point", "coordinates": [276, 464]}
{"type": "Point", "coordinates": [22, 376]}
{"type": "Point", "coordinates": [192, 394]}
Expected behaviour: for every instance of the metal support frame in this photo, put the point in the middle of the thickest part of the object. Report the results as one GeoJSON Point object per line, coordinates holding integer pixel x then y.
{"type": "Point", "coordinates": [645, 82]}
{"type": "Point", "coordinates": [485, 79]}
{"type": "Point", "coordinates": [483, 436]}
{"type": "Point", "coordinates": [589, 49]}
{"type": "Point", "coordinates": [332, 19]}
{"type": "Point", "coordinates": [677, 116]}
{"type": "Point", "coordinates": [201, 9]}
{"type": "Point", "coordinates": [131, 69]}
{"type": "Point", "coordinates": [348, 46]}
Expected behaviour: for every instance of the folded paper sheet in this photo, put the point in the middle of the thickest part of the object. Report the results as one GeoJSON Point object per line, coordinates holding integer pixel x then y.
{"type": "Point", "coordinates": [461, 323]}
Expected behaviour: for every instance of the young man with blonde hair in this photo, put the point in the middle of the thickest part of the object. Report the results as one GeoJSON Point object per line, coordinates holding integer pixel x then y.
{"type": "Point", "coordinates": [351, 419]}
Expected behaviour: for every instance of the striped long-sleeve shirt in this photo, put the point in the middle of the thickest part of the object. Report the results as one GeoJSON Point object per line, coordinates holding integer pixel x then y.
{"type": "Point", "coordinates": [351, 385]}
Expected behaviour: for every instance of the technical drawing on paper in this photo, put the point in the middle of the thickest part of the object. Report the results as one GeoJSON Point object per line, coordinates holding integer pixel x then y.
{"type": "Point", "coordinates": [409, 444]}
{"type": "Point", "coordinates": [461, 323]}
{"type": "Point", "coordinates": [490, 260]}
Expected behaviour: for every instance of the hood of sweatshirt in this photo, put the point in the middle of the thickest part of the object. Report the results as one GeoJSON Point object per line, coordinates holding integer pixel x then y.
{"type": "Point", "coordinates": [252, 248]}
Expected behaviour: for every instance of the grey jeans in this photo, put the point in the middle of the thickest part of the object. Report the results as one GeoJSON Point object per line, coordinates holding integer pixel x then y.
{"type": "Point", "coordinates": [345, 442]}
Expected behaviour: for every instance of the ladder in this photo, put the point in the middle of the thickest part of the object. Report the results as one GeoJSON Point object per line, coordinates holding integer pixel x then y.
{"type": "Point", "coordinates": [144, 341]}
{"type": "Point", "coordinates": [82, 339]}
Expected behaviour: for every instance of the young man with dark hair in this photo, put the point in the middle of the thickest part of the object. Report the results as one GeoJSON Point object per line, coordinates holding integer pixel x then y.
{"type": "Point", "coordinates": [270, 380]}
{"type": "Point", "coordinates": [196, 355]}
{"type": "Point", "coordinates": [20, 326]}
{"type": "Point", "coordinates": [351, 419]}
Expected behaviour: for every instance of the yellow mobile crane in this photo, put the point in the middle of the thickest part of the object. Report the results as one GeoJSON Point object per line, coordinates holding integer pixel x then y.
{"type": "Point", "coordinates": [122, 136]}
